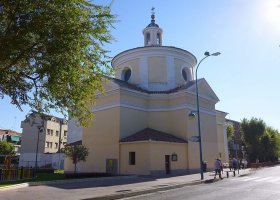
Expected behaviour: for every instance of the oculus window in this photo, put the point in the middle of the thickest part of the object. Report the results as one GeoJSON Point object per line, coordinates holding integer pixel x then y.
{"type": "Point", "coordinates": [126, 74]}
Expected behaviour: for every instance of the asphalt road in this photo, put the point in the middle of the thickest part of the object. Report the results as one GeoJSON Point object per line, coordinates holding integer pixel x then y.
{"type": "Point", "coordinates": [263, 184]}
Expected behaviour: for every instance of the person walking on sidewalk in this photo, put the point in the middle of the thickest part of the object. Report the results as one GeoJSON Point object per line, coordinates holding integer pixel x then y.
{"type": "Point", "coordinates": [218, 164]}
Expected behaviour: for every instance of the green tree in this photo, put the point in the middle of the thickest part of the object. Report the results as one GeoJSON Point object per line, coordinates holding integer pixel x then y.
{"type": "Point", "coordinates": [271, 144]}
{"type": "Point", "coordinates": [52, 54]}
{"type": "Point", "coordinates": [7, 150]}
{"type": "Point", "coordinates": [230, 133]}
{"type": "Point", "coordinates": [76, 153]}
{"type": "Point", "coordinates": [262, 142]}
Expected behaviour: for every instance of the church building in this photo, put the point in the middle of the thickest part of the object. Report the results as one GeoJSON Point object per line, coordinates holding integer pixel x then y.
{"type": "Point", "coordinates": [142, 124]}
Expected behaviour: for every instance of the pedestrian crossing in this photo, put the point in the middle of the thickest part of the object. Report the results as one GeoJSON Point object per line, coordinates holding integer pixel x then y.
{"type": "Point", "coordinates": [268, 179]}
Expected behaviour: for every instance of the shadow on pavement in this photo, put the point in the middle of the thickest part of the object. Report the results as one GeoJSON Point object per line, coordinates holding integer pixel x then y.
{"type": "Point", "coordinates": [108, 181]}
{"type": "Point", "coordinates": [99, 182]}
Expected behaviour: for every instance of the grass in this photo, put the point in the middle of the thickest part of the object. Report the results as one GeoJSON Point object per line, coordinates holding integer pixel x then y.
{"type": "Point", "coordinates": [41, 176]}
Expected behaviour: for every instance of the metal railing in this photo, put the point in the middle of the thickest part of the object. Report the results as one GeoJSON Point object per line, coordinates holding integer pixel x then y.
{"type": "Point", "coordinates": [16, 174]}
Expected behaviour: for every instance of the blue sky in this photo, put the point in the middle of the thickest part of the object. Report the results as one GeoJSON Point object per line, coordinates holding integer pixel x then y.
{"type": "Point", "coordinates": [245, 76]}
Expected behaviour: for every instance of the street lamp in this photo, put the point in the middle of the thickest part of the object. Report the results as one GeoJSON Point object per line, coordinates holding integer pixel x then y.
{"type": "Point", "coordinates": [38, 135]}
{"type": "Point", "coordinates": [206, 54]}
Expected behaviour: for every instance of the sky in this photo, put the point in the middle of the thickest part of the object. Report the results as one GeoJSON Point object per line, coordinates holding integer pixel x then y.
{"type": "Point", "coordinates": [245, 76]}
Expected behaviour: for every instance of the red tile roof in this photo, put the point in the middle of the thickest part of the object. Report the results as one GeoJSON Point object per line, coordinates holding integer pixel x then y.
{"type": "Point", "coordinates": [9, 132]}
{"type": "Point", "coordinates": [149, 134]}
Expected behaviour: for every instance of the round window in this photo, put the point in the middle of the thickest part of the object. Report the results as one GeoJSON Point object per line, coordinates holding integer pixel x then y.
{"type": "Point", "coordinates": [126, 74]}
{"type": "Point", "coordinates": [184, 74]}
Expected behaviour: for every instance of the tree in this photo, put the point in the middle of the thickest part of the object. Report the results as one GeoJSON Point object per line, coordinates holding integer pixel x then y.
{"type": "Point", "coordinates": [7, 150]}
{"type": "Point", "coordinates": [76, 153]}
{"type": "Point", "coordinates": [52, 55]}
{"type": "Point", "coordinates": [271, 143]}
{"type": "Point", "coordinates": [262, 142]}
{"type": "Point", "coordinates": [230, 133]}
{"type": "Point", "coordinates": [252, 132]}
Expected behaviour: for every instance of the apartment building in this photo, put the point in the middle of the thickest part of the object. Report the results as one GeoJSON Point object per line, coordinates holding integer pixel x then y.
{"type": "Point", "coordinates": [44, 136]}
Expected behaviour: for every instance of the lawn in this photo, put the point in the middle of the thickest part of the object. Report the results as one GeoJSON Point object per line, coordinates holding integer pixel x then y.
{"type": "Point", "coordinates": [41, 176]}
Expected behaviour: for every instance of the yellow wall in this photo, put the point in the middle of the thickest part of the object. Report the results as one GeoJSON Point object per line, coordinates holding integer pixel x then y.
{"type": "Point", "coordinates": [160, 149]}
{"type": "Point", "coordinates": [142, 164]}
{"type": "Point", "coordinates": [150, 156]}
{"type": "Point", "coordinates": [102, 140]}
{"type": "Point", "coordinates": [132, 121]}
{"type": "Point", "coordinates": [178, 71]}
{"type": "Point", "coordinates": [110, 125]}
{"type": "Point", "coordinates": [221, 139]}
{"type": "Point", "coordinates": [134, 66]}
{"type": "Point", "coordinates": [157, 69]}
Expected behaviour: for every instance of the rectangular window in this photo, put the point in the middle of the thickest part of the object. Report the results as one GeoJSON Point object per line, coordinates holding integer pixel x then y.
{"type": "Point", "coordinates": [56, 133]}
{"type": "Point", "coordinates": [131, 158]}
{"type": "Point", "coordinates": [50, 144]}
{"type": "Point", "coordinates": [65, 133]}
{"type": "Point", "coordinates": [47, 144]}
{"type": "Point", "coordinates": [56, 145]}
{"type": "Point", "coordinates": [48, 131]}
{"type": "Point", "coordinates": [51, 132]}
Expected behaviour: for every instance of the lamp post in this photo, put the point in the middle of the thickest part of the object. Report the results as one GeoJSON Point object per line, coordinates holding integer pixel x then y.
{"type": "Point", "coordinates": [206, 54]}
{"type": "Point", "coordinates": [38, 136]}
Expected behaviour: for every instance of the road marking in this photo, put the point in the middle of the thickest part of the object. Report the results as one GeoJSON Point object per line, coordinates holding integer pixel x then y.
{"type": "Point", "coordinates": [249, 179]}
{"type": "Point", "coordinates": [274, 180]}
{"type": "Point", "coordinates": [263, 179]}
{"type": "Point", "coordinates": [258, 179]}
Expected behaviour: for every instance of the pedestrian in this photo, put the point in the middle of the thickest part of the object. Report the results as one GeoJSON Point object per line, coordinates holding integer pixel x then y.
{"type": "Point", "coordinates": [222, 167]}
{"type": "Point", "coordinates": [218, 168]}
{"type": "Point", "coordinates": [234, 164]}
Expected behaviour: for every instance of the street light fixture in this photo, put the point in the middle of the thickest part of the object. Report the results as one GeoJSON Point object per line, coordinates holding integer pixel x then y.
{"type": "Point", "coordinates": [192, 114]}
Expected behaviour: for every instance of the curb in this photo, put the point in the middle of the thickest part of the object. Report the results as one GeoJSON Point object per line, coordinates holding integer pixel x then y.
{"type": "Point", "coordinates": [16, 186]}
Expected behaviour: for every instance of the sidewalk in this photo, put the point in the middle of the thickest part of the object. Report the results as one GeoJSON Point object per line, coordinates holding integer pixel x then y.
{"type": "Point", "coordinates": [117, 187]}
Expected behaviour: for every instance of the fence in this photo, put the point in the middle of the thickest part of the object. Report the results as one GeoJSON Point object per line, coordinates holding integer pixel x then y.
{"type": "Point", "coordinates": [16, 174]}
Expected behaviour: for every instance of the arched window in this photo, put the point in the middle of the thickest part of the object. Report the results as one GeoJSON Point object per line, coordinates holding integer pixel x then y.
{"type": "Point", "coordinates": [148, 39]}
{"type": "Point", "coordinates": [158, 39]}
{"type": "Point", "coordinates": [185, 75]}
{"type": "Point", "coordinates": [126, 74]}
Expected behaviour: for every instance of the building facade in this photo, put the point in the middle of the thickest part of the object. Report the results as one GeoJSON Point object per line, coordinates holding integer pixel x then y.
{"type": "Point", "coordinates": [14, 138]}
{"type": "Point", "coordinates": [45, 136]}
{"type": "Point", "coordinates": [141, 123]}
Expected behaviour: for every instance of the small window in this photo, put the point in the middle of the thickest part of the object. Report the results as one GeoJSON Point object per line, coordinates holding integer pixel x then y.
{"type": "Point", "coordinates": [56, 133]}
{"type": "Point", "coordinates": [48, 131]}
{"type": "Point", "coordinates": [51, 132]}
{"type": "Point", "coordinates": [148, 39]}
{"type": "Point", "coordinates": [126, 74]}
{"type": "Point", "coordinates": [158, 39]}
{"type": "Point", "coordinates": [132, 158]}
{"type": "Point", "coordinates": [50, 144]}
{"type": "Point", "coordinates": [47, 144]}
{"type": "Point", "coordinates": [65, 133]}
{"type": "Point", "coordinates": [56, 145]}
